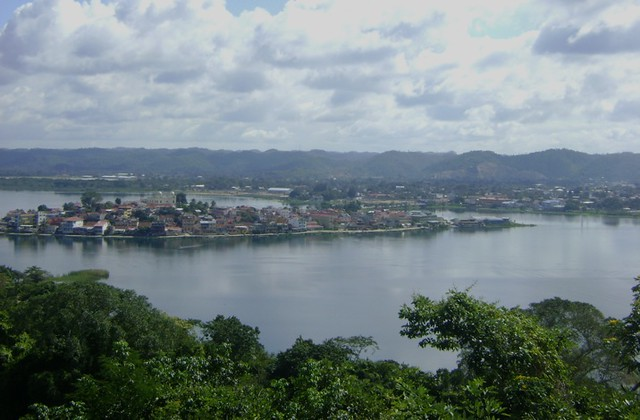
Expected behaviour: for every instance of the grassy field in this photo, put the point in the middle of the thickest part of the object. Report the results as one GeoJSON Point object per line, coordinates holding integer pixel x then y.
{"type": "Point", "coordinates": [83, 275]}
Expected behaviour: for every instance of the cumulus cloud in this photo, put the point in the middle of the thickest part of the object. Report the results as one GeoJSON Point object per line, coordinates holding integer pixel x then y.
{"type": "Point", "coordinates": [279, 132]}
{"type": "Point", "coordinates": [627, 110]}
{"type": "Point", "coordinates": [594, 27]}
{"type": "Point", "coordinates": [572, 40]}
{"type": "Point", "coordinates": [509, 76]}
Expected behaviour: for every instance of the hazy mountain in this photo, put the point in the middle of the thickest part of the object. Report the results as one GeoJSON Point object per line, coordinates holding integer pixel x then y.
{"type": "Point", "coordinates": [476, 166]}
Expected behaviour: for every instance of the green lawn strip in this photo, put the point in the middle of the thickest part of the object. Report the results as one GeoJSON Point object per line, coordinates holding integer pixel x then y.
{"type": "Point", "coordinates": [83, 275]}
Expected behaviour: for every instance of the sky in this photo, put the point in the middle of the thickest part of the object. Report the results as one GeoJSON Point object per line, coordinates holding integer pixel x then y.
{"type": "Point", "coordinates": [509, 76]}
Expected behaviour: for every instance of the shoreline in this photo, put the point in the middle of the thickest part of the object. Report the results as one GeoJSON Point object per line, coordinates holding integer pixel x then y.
{"type": "Point", "coordinates": [234, 235]}
{"type": "Point", "coordinates": [438, 228]}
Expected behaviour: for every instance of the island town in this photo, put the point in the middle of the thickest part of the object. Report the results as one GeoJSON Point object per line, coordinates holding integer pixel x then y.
{"type": "Point", "coordinates": [315, 208]}
{"type": "Point", "coordinates": [167, 214]}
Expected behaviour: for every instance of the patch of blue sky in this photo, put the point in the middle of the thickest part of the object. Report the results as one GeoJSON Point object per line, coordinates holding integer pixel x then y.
{"type": "Point", "coordinates": [502, 28]}
{"type": "Point", "coordinates": [236, 7]}
{"type": "Point", "coordinates": [7, 8]}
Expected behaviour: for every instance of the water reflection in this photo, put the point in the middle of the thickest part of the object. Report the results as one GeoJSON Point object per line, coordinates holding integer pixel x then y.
{"type": "Point", "coordinates": [611, 221]}
{"type": "Point", "coordinates": [571, 217]}
{"type": "Point", "coordinates": [195, 245]}
{"type": "Point", "coordinates": [26, 242]}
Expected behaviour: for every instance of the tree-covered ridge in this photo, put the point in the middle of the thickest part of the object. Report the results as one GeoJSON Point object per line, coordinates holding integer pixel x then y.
{"type": "Point", "coordinates": [476, 166]}
{"type": "Point", "coordinates": [72, 347]}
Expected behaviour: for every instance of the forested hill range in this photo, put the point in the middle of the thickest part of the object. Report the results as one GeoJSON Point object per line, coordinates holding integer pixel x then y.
{"type": "Point", "coordinates": [477, 166]}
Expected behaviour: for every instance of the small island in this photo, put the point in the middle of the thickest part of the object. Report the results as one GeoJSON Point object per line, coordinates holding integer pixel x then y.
{"type": "Point", "coordinates": [169, 214]}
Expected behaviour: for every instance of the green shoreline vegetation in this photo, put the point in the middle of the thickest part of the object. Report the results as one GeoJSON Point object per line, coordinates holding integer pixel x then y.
{"type": "Point", "coordinates": [72, 346]}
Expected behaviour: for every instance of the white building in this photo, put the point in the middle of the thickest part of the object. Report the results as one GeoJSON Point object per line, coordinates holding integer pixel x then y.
{"type": "Point", "coordinates": [277, 190]}
{"type": "Point", "coordinates": [162, 198]}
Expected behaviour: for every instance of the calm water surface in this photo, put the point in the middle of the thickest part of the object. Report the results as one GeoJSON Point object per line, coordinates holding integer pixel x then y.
{"type": "Point", "coordinates": [325, 286]}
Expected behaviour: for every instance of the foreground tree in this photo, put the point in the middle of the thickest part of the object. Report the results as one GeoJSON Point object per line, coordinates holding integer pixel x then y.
{"type": "Point", "coordinates": [239, 342]}
{"type": "Point", "coordinates": [509, 350]}
{"type": "Point", "coordinates": [71, 326]}
{"type": "Point", "coordinates": [626, 334]}
{"type": "Point", "coordinates": [337, 350]}
{"type": "Point", "coordinates": [591, 356]}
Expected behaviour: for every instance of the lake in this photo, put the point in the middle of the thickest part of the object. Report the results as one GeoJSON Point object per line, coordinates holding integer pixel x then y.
{"type": "Point", "coordinates": [324, 286]}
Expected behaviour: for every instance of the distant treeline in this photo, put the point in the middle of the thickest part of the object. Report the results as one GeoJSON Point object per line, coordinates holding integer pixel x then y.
{"type": "Point", "coordinates": [72, 347]}
{"type": "Point", "coordinates": [38, 183]}
{"type": "Point", "coordinates": [478, 166]}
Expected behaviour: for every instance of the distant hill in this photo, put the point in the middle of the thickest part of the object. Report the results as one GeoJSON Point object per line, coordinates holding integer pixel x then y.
{"type": "Point", "coordinates": [476, 166]}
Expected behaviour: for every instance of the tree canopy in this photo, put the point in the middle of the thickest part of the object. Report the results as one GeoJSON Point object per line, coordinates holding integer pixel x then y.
{"type": "Point", "coordinates": [73, 347]}
{"type": "Point", "coordinates": [90, 200]}
{"type": "Point", "coordinates": [508, 350]}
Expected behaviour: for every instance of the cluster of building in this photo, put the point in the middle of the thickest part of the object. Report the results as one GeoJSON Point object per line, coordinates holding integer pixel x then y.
{"type": "Point", "coordinates": [617, 199]}
{"type": "Point", "coordinates": [160, 216]}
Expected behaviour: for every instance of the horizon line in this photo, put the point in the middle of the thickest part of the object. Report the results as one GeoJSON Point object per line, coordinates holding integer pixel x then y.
{"type": "Point", "coordinates": [306, 151]}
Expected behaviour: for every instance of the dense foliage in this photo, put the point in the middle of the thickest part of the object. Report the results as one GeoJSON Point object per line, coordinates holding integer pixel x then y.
{"type": "Point", "coordinates": [72, 347]}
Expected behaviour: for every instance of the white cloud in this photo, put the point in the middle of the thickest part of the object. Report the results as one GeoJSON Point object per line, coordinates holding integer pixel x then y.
{"type": "Point", "coordinates": [509, 76]}
{"type": "Point", "coordinates": [278, 133]}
